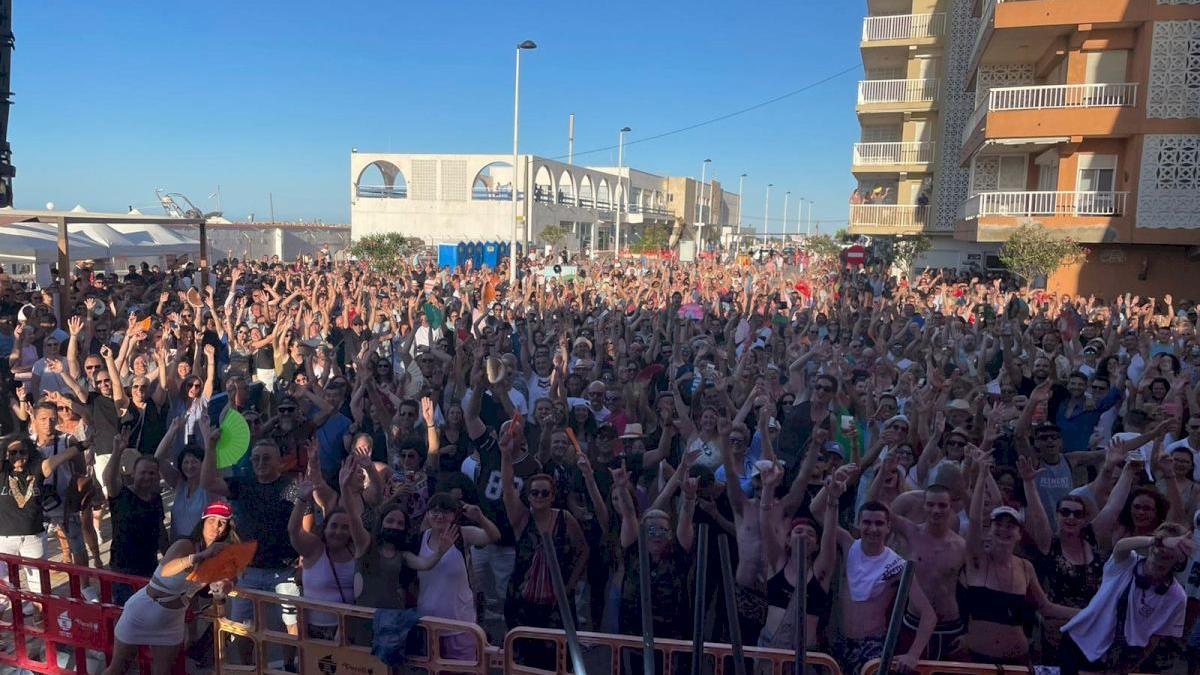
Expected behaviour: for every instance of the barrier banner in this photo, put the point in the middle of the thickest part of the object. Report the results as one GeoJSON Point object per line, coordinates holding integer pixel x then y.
{"type": "Point", "coordinates": [75, 623]}
{"type": "Point", "coordinates": [341, 661]}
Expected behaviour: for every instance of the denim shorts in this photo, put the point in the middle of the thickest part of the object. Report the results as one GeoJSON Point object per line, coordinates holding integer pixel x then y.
{"type": "Point", "coordinates": [281, 581]}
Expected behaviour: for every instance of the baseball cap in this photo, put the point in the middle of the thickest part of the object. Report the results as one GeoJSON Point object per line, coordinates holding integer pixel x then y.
{"type": "Point", "coordinates": [1007, 511]}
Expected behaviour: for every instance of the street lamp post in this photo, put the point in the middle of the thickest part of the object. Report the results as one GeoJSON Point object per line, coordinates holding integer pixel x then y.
{"type": "Point", "coordinates": [737, 246]}
{"type": "Point", "coordinates": [620, 188]}
{"type": "Point", "coordinates": [785, 213]}
{"type": "Point", "coordinates": [700, 206]}
{"type": "Point", "coordinates": [767, 212]}
{"type": "Point", "coordinates": [800, 215]}
{"type": "Point", "coordinates": [512, 253]}
{"type": "Point", "coordinates": [810, 207]}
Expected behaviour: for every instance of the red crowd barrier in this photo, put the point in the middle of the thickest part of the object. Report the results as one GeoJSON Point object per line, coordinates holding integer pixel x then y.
{"type": "Point", "coordinates": [70, 622]}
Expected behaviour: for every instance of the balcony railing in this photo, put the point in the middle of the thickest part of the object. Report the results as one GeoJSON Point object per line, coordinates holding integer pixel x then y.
{"type": "Point", "coordinates": [1094, 95]}
{"type": "Point", "coordinates": [1028, 204]}
{"type": "Point", "coordinates": [897, 91]}
{"type": "Point", "coordinates": [1050, 96]}
{"type": "Point", "coordinates": [906, 152]}
{"type": "Point", "coordinates": [383, 191]}
{"type": "Point", "coordinates": [903, 27]}
{"type": "Point", "coordinates": [899, 216]}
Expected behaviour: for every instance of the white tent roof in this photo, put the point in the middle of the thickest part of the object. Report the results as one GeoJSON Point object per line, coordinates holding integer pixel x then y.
{"type": "Point", "coordinates": [38, 243]}
{"type": "Point", "coordinates": [79, 209]}
{"type": "Point", "coordinates": [162, 239]}
{"type": "Point", "coordinates": [117, 243]}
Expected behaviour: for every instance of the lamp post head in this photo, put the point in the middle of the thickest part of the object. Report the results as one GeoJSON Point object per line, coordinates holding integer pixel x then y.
{"type": "Point", "coordinates": [707, 161]}
{"type": "Point", "coordinates": [528, 44]}
{"type": "Point", "coordinates": [625, 130]}
{"type": "Point", "coordinates": [743, 175]}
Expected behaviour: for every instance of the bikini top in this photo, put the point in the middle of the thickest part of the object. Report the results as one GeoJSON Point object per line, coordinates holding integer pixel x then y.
{"type": "Point", "coordinates": [989, 604]}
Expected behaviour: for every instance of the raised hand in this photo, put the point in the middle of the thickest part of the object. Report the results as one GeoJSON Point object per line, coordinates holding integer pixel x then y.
{"type": "Point", "coordinates": [75, 325]}
{"type": "Point", "coordinates": [690, 487]}
{"type": "Point", "coordinates": [106, 352]}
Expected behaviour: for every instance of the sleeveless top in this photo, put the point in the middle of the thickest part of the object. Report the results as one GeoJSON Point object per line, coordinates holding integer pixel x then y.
{"type": "Point", "coordinates": [445, 589]}
{"type": "Point", "coordinates": [177, 586]}
{"type": "Point", "coordinates": [329, 581]}
{"type": "Point", "coordinates": [186, 510]}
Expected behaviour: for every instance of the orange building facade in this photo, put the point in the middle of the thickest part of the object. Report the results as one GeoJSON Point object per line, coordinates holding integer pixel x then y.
{"type": "Point", "coordinates": [1081, 115]}
{"type": "Point", "coordinates": [1087, 120]}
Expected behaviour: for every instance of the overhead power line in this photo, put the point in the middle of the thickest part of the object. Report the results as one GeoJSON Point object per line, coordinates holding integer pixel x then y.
{"type": "Point", "coordinates": [724, 117]}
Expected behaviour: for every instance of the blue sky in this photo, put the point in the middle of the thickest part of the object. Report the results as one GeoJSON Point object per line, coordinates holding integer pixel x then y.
{"type": "Point", "coordinates": [114, 99]}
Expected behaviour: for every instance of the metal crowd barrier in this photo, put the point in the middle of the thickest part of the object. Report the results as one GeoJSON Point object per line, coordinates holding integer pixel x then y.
{"type": "Point", "coordinates": [71, 628]}
{"type": "Point", "coordinates": [615, 654]}
{"type": "Point", "coordinates": [275, 651]}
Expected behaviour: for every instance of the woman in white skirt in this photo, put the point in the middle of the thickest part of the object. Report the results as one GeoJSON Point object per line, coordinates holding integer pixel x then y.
{"type": "Point", "coordinates": [155, 615]}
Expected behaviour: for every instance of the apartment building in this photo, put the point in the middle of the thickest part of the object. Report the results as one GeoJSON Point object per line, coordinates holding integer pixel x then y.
{"type": "Point", "coordinates": [455, 197]}
{"type": "Point", "coordinates": [1087, 120]}
{"type": "Point", "coordinates": [1081, 115]}
{"type": "Point", "coordinates": [903, 106]}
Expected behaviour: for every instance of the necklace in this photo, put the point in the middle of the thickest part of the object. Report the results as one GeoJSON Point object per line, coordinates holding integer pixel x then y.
{"type": "Point", "coordinates": [14, 487]}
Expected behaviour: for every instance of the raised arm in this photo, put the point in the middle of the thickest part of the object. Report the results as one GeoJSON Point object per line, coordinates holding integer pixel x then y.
{"type": "Point", "coordinates": [307, 544]}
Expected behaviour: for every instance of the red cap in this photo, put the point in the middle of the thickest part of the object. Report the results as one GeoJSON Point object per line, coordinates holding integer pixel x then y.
{"type": "Point", "coordinates": [218, 510]}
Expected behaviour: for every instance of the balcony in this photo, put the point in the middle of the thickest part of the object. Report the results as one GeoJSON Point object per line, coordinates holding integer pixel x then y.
{"type": "Point", "coordinates": [1085, 216]}
{"type": "Point", "coordinates": [1054, 110]}
{"type": "Point", "coordinates": [888, 218]}
{"type": "Point", "coordinates": [904, 156]}
{"type": "Point", "coordinates": [897, 95]}
{"type": "Point", "coordinates": [904, 28]}
{"type": "Point", "coordinates": [1010, 30]}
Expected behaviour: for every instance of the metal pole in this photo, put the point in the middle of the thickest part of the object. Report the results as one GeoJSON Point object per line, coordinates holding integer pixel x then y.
{"type": "Point", "coordinates": [785, 212]}
{"type": "Point", "coordinates": [897, 620]}
{"type": "Point", "coordinates": [512, 253]}
{"type": "Point", "coordinates": [620, 191]}
{"type": "Point", "coordinates": [571, 139]}
{"type": "Point", "coordinates": [741, 184]}
{"type": "Point", "coordinates": [801, 624]}
{"type": "Point", "coordinates": [735, 628]}
{"type": "Point", "coordinates": [810, 205]}
{"type": "Point", "coordinates": [699, 213]}
{"type": "Point", "coordinates": [203, 255]}
{"type": "Point", "coordinates": [701, 597]}
{"type": "Point", "coordinates": [800, 215]}
{"type": "Point", "coordinates": [271, 199]}
{"type": "Point", "coordinates": [564, 605]}
{"type": "Point", "coordinates": [767, 212]}
{"type": "Point", "coordinates": [64, 272]}
{"type": "Point", "coordinates": [645, 600]}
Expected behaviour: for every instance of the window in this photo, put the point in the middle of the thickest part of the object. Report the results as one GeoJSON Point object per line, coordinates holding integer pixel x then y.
{"type": "Point", "coordinates": [1097, 173]}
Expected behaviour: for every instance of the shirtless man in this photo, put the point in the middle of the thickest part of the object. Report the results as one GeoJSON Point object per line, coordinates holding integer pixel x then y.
{"type": "Point", "coordinates": [868, 593]}
{"type": "Point", "coordinates": [939, 554]}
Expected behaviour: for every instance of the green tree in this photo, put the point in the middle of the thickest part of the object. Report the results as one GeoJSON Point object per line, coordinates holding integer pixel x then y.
{"type": "Point", "coordinates": [654, 239]}
{"type": "Point", "coordinates": [554, 235]}
{"type": "Point", "coordinates": [386, 251]}
{"type": "Point", "coordinates": [907, 249]}
{"type": "Point", "coordinates": [1032, 251]}
{"type": "Point", "coordinates": [823, 248]}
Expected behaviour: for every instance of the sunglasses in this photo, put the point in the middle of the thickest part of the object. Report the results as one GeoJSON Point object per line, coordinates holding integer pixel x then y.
{"type": "Point", "coordinates": [823, 387]}
{"type": "Point", "coordinates": [104, 381]}
{"type": "Point", "coordinates": [140, 386]}
{"type": "Point", "coordinates": [194, 385]}
{"type": "Point", "coordinates": [737, 440]}
{"type": "Point", "coordinates": [287, 410]}
{"type": "Point", "coordinates": [540, 494]}
{"type": "Point", "coordinates": [657, 532]}
{"type": "Point", "coordinates": [1070, 513]}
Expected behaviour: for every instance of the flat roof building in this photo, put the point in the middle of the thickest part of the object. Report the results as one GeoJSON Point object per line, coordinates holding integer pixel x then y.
{"type": "Point", "coordinates": [453, 197]}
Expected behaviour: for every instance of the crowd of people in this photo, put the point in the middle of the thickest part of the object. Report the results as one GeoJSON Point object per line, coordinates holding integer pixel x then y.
{"type": "Point", "coordinates": [415, 432]}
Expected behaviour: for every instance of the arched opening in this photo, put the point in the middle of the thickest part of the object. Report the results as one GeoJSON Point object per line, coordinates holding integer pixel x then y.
{"type": "Point", "coordinates": [587, 196]}
{"type": "Point", "coordinates": [566, 189]}
{"type": "Point", "coordinates": [494, 182]}
{"type": "Point", "coordinates": [381, 180]}
{"type": "Point", "coordinates": [543, 186]}
{"type": "Point", "coordinates": [603, 198]}
{"type": "Point", "coordinates": [619, 202]}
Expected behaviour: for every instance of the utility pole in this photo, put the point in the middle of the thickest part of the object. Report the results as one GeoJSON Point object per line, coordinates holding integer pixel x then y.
{"type": "Point", "coordinates": [767, 211]}
{"type": "Point", "coordinates": [271, 198]}
{"type": "Point", "coordinates": [785, 212]}
{"type": "Point", "coordinates": [741, 184]}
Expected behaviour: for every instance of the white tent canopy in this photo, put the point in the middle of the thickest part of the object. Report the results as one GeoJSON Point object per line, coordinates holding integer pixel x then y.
{"type": "Point", "coordinates": [162, 239]}
{"type": "Point", "coordinates": [117, 243]}
{"type": "Point", "coordinates": [38, 243]}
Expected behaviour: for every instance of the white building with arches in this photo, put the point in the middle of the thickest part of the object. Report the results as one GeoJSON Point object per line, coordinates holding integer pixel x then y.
{"type": "Point", "coordinates": [451, 198]}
